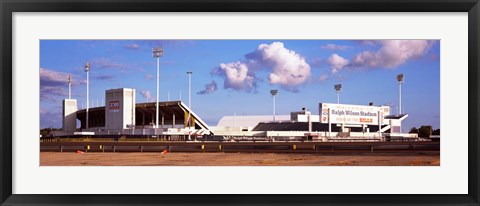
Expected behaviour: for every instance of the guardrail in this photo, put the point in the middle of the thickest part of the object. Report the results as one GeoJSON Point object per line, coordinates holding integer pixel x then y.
{"type": "Point", "coordinates": [119, 139]}
{"type": "Point", "coordinates": [301, 147]}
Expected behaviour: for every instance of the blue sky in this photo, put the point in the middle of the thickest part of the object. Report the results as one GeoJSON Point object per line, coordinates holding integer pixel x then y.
{"type": "Point", "coordinates": [235, 76]}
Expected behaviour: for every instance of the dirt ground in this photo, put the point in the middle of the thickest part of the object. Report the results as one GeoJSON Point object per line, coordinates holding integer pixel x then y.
{"type": "Point", "coordinates": [236, 159]}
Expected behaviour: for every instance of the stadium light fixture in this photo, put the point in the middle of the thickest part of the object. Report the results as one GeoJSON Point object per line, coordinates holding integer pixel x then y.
{"type": "Point", "coordinates": [274, 93]}
{"type": "Point", "coordinates": [87, 70]}
{"type": "Point", "coordinates": [338, 88]}
{"type": "Point", "coordinates": [400, 80]}
{"type": "Point", "coordinates": [157, 53]}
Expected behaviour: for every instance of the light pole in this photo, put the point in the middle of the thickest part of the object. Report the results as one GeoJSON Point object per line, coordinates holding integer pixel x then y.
{"type": "Point", "coordinates": [189, 102]}
{"type": "Point", "coordinates": [338, 88]}
{"type": "Point", "coordinates": [400, 82]}
{"type": "Point", "coordinates": [274, 93]}
{"type": "Point", "coordinates": [157, 53]}
{"type": "Point", "coordinates": [189, 89]}
{"type": "Point", "coordinates": [87, 69]}
{"type": "Point", "coordinates": [69, 87]}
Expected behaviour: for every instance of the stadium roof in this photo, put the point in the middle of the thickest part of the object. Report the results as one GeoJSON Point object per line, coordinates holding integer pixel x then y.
{"type": "Point", "coordinates": [249, 121]}
{"type": "Point", "coordinates": [173, 112]}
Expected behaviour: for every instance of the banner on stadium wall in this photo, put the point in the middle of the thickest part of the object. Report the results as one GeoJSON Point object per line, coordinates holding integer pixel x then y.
{"type": "Point", "coordinates": [114, 106]}
{"type": "Point", "coordinates": [352, 114]}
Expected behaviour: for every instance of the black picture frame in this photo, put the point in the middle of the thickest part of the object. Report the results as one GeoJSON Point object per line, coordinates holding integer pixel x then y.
{"type": "Point", "coordinates": [7, 7]}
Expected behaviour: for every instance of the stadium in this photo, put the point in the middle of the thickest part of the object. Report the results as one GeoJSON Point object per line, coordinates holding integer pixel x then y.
{"type": "Point", "coordinates": [123, 117]}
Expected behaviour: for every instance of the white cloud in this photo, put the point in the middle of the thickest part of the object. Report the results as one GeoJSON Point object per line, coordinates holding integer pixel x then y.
{"type": "Point", "coordinates": [337, 62]}
{"type": "Point", "coordinates": [132, 46]}
{"type": "Point", "coordinates": [50, 93]}
{"type": "Point", "coordinates": [288, 68]}
{"type": "Point", "coordinates": [53, 84]}
{"type": "Point", "coordinates": [335, 47]}
{"type": "Point", "coordinates": [149, 77]}
{"type": "Point", "coordinates": [105, 63]}
{"type": "Point", "coordinates": [323, 77]}
{"type": "Point", "coordinates": [147, 95]}
{"type": "Point", "coordinates": [285, 67]}
{"type": "Point", "coordinates": [392, 53]}
{"type": "Point", "coordinates": [109, 64]}
{"type": "Point", "coordinates": [237, 76]}
{"type": "Point", "coordinates": [52, 78]}
{"type": "Point", "coordinates": [209, 88]}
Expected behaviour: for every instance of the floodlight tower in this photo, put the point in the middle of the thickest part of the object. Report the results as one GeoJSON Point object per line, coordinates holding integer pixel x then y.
{"type": "Point", "coordinates": [189, 73]}
{"type": "Point", "coordinates": [274, 93]}
{"type": "Point", "coordinates": [338, 88]}
{"type": "Point", "coordinates": [69, 87]}
{"type": "Point", "coordinates": [157, 53]}
{"type": "Point", "coordinates": [87, 70]}
{"type": "Point", "coordinates": [400, 82]}
{"type": "Point", "coordinates": [189, 89]}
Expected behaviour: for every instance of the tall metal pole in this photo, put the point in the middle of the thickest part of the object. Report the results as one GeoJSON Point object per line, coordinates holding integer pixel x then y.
{"type": "Point", "coordinates": [274, 93]}
{"type": "Point", "coordinates": [87, 69]}
{"type": "Point", "coordinates": [156, 102]}
{"type": "Point", "coordinates": [189, 90]}
{"type": "Point", "coordinates": [189, 104]}
{"type": "Point", "coordinates": [273, 108]}
{"type": "Point", "coordinates": [400, 98]}
{"type": "Point", "coordinates": [157, 53]}
{"type": "Point", "coordinates": [69, 87]}
{"type": "Point", "coordinates": [338, 97]}
{"type": "Point", "coordinates": [400, 82]}
{"type": "Point", "coordinates": [87, 97]}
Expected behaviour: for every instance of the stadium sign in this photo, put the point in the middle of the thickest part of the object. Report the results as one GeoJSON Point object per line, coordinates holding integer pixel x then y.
{"type": "Point", "coordinates": [114, 106]}
{"type": "Point", "coordinates": [352, 114]}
